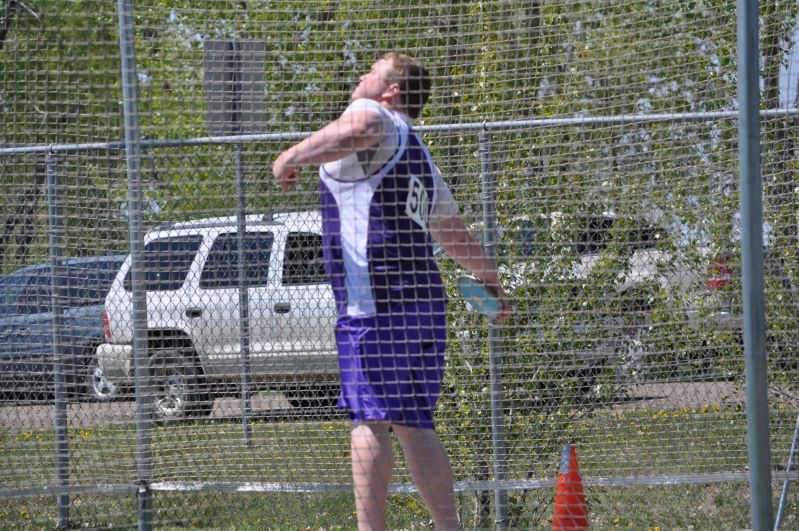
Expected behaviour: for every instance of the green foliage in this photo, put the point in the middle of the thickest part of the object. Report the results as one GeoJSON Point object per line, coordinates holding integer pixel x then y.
{"type": "Point", "coordinates": [521, 61]}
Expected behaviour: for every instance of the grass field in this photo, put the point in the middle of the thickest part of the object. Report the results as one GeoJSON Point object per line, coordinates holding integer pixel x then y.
{"type": "Point", "coordinates": [631, 443]}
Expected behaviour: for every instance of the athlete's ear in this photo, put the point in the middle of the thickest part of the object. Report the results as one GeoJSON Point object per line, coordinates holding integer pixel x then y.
{"type": "Point", "coordinates": [392, 91]}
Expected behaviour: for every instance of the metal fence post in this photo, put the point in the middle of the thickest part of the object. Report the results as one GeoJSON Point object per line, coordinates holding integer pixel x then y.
{"type": "Point", "coordinates": [488, 179]}
{"type": "Point", "coordinates": [144, 407]}
{"type": "Point", "coordinates": [244, 300]}
{"type": "Point", "coordinates": [241, 209]}
{"type": "Point", "coordinates": [788, 467]}
{"type": "Point", "coordinates": [752, 262]}
{"type": "Point", "coordinates": [57, 307]}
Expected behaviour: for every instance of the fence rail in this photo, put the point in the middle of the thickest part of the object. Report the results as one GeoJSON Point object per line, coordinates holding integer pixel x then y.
{"type": "Point", "coordinates": [506, 125]}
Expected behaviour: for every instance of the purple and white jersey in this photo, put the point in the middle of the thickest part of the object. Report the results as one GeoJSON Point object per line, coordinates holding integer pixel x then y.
{"type": "Point", "coordinates": [376, 205]}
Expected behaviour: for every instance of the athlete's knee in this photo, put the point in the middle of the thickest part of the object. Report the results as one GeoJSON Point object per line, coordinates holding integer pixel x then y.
{"type": "Point", "coordinates": [412, 436]}
{"type": "Point", "coordinates": [369, 428]}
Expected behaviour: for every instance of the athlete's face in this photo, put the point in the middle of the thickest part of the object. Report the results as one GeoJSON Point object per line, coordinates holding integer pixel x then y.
{"type": "Point", "coordinates": [377, 84]}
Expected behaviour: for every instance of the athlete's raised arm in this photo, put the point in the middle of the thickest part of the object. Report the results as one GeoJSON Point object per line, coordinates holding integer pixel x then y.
{"type": "Point", "coordinates": [351, 132]}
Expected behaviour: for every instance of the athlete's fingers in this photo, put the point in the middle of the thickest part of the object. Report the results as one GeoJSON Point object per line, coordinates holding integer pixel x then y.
{"type": "Point", "coordinates": [288, 179]}
{"type": "Point", "coordinates": [504, 314]}
{"type": "Point", "coordinates": [505, 310]}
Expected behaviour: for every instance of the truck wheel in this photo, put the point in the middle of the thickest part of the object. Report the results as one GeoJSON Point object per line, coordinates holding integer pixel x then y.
{"type": "Point", "coordinates": [86, 382]}
{"type": "Point", "coordinates": [98, 387]}
{"type": "Point", "coordinates": [179, 389]}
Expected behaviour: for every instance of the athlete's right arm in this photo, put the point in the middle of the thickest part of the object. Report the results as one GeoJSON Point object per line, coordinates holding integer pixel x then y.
{"type": "Point", "coordinates": [351, 132]}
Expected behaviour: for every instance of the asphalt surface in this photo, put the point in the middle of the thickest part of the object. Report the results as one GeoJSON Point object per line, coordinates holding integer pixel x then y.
{"type": "Point", "coordinates": [676, 395]}
{"type": "Point", "coordinates": [275, 408]}
{"type": "Point", "coordinates": [269, 408]}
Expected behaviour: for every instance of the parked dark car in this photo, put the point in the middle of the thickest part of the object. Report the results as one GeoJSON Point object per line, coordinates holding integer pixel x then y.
{"type": "Point", "coordinates": [27, 325]}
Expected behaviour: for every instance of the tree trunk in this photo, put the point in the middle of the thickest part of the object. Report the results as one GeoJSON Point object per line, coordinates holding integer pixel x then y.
{"type": "Point", "coordinates": [9, 13]}
{"type": "Point", "coordinates": [19, 229]}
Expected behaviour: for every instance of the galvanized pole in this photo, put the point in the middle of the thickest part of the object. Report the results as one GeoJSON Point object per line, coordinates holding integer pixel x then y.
{"type": "Point", "coordinates": [784, 493]}
{"type": "Point", "coordinates": [488, 177]}
{"type": "Point", "coordinates": [752, 261]}
{"type": "Point", "coordinates": [241, 209]}
{"type": "Point", "coordinates": [244, 300]}
{"type": "Point", "coordinates": [57, 284]}
{"type": "Point", "coordinates": [144, 397]}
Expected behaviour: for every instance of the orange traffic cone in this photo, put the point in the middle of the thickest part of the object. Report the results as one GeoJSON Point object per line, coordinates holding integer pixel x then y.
{"type": "Point", "coordinates": [570, 510]}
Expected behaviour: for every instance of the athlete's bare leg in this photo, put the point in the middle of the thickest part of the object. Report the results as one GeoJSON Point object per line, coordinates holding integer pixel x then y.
{"type": "Point", "coordinates": [372, 462]}
{"type": "Point", "coordinates": [431, 472]}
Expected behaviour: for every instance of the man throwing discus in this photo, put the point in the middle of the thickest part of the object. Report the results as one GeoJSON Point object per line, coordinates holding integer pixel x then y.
{"type": "Point", "coordinates": [383, 201]}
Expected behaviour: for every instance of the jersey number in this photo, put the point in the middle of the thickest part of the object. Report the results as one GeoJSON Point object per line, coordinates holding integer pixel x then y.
{"type": "Point", "coordinates": [417, 206]}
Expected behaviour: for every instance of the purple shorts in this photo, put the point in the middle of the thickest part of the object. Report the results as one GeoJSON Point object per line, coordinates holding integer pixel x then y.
{"type": "Point", "coordinates": [392, 365]}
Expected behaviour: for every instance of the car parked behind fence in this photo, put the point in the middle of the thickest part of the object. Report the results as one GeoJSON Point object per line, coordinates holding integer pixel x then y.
{"type": "Point", "coordinates": [196, 341]}
{"type": "Point", "coordinates": [27, 326]}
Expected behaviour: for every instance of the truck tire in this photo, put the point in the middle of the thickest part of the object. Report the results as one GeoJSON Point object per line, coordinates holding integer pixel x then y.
{"type": "Point", "coordinates": [86, 382]}
{"type": "Point", "coordinates": [96, 386]}
{"type": "Point", "coordinates": [179, 388]}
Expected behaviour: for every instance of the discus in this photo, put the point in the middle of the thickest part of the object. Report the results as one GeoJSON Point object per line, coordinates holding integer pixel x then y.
{"type": "Point", "coordinates": [478, 296]}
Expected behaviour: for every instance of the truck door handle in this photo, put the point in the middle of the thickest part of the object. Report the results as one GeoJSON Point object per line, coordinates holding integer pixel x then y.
{"type": "Point", "coordinates": [282, 307]}
{"type": "Point", "coordinates": [193, 312]}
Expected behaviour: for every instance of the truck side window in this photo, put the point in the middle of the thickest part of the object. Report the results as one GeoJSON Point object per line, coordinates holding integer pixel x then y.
{"type": "Point", "coordinates": [221, 270]}
{"type": "Point", "coordinates": [166, 263]}
{"type": "Point", "coordinates": [303, 262]}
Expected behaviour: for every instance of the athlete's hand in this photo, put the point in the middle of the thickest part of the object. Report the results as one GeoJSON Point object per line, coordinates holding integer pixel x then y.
{"type": "Point", "coordinates": [286, 174]}
{"type": "Point", "coordinates": [505, 309]}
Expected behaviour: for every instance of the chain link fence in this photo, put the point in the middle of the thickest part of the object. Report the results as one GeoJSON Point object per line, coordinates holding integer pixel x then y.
{"type": "Point", "coordinates": [594, 147]}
